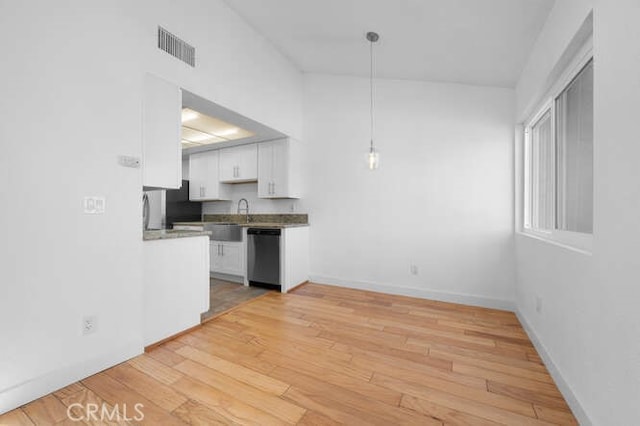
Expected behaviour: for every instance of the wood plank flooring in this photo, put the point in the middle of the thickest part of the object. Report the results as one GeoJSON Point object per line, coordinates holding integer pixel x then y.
{"type": "Point", "coordinates": [323, 356]}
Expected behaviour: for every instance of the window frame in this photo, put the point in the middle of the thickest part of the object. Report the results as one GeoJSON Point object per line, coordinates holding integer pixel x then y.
{"type": "Point", "coordinates": [578, 241]}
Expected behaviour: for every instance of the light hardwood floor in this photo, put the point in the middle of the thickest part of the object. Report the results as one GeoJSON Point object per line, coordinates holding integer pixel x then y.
{"type": "Point", "coordinates": [323, 355]}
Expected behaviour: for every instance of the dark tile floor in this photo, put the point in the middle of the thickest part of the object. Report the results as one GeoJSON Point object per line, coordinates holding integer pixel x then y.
{"type": "Point", "coordinates": [225, 295]}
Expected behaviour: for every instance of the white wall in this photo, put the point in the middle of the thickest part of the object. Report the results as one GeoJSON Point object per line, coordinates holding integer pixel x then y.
{"type": "Point", "coordinates": [71, 102]}
{"type": "Point", "coordinates": [537, 76]}
{"type": "Point", "coordinates": [590, 323]}
{"type": "Point", "coordinates": [441, 199]}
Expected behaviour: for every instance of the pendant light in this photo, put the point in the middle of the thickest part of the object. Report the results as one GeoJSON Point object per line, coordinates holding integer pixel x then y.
{"type": "Point", "coordinates": [373, 157]}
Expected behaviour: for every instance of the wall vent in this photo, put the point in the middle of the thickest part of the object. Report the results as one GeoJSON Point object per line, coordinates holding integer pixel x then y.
{"type": "Point", "coordinates": [177, 47]}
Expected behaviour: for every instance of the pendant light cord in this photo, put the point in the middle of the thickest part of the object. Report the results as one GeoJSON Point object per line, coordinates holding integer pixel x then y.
{"type": "Point", "coordinates": [371, 89]}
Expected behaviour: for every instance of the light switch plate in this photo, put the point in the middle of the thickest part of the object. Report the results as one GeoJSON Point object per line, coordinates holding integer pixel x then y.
{"type": "Point", "coordinates": [94, 205]}
{"type": "Point", "coordinates": [128, 161]}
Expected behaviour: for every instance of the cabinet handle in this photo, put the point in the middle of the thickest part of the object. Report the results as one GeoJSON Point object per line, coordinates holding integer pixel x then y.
{"type": "Point", "coordinates": [273, 188]}
{"type": "Point", "coordinates": [222, 249]}
{"type": "Point", "coordinates": [201, 191]}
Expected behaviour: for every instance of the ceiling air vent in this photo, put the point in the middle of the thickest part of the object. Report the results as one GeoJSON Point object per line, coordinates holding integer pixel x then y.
{"type": "Point", "coordinates": [177, 47]}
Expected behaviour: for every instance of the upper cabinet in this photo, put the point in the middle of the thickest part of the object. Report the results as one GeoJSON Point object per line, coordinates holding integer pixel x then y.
{"type": "Point", "coordinates": [279, 169]}
{"type": "Point", "coordinates": [161, 150]}
{"type": "Point", "coordinates": [204, 184]}
{"type": "Point", "coordinates": [239, 164]}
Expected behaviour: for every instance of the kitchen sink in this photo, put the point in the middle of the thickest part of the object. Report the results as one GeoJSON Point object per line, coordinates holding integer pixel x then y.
{"type": "Point", "coordinates": [222, 231]}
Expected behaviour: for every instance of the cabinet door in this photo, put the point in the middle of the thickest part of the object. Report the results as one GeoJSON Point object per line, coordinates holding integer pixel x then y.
{"type": "Point", "coordinates": [248, 163]}
{"type": "Point", "coordinates": [198, 172]}
{"type": "Point", "coordinates": [215, 256]}
{"type": "Point", "coordinates": [279, 166]}
{"type": "Point", "coordinates": [265, 169]}
{"type": "Point", "coordinates": [228, 164]}
{"type": "Point", "coordinates": [239, 164]}
{"type": "Point", "coordinates": [204, 183]}
{"type": "Point", "coordinates": [280, 170]}
{"type": "Point", "coordinates": [161, 150]}
{"type": "Point", "coordinates": [232, 259]}
{"type": "Point", "coordinates": [227, 257]}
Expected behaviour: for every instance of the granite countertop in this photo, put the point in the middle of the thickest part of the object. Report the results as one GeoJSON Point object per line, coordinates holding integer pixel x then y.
{"type": "Point", "coordinates": [272, 225]}
{"type": "Point", "coordinates": [255, 220]}
{"type": "Point", "coordinates": [167, 234]}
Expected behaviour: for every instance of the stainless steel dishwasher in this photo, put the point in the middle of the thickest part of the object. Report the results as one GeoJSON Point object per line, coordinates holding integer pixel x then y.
{"type": "Point", "coordinates": [263, 252]}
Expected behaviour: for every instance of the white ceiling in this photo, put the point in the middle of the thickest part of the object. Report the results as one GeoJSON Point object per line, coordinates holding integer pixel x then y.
{"type": "Point", "coordinates": [483, 42]}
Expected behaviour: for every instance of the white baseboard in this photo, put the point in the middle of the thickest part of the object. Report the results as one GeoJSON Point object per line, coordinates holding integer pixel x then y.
{"type": "Point", "coordinates": [465, 299]}
{"type": "Point", "coordinates": [563, 386]}
{"type": "Point", "coordinates": [38, 387]}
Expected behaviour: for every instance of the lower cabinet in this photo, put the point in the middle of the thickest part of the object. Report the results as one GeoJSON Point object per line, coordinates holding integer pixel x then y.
{"type": "Point", "coordinates": [294, 257]}
{"type": "Point", "coordinates": [227, 257]}
{"type": "Point", "coordinates": [175, 293]}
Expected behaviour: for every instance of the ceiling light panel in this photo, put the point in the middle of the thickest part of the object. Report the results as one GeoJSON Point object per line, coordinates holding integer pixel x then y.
{"type": "Point", "coordinates": [196, 136]}
{"type": "Point", "coordinates": [213, 126]}
{"type": "Point", "coordinates": [188, 115]}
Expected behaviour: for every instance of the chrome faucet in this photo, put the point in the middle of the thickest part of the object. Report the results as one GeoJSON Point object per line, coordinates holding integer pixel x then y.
{"type": "Point", "coordinates": [246, 209]}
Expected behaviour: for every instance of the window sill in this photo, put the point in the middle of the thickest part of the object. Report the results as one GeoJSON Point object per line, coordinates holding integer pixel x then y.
{"type": "Point", "coordinates": [580, 243]}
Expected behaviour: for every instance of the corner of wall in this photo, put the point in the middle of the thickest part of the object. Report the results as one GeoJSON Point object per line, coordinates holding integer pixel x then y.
{"type": "Point", "coordinates": [32, 389]}
{"type": "Point", "coordinates": [566, 391]}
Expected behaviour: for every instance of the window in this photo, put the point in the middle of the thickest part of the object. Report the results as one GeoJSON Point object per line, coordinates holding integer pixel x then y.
{"type": "Point", "coordinates": [558, 169]}
{"type": "Point", "coordinates": [574, 130]}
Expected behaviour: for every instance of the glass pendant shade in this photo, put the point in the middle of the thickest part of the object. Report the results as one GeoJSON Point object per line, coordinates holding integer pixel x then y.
{"type": "Point", "coordinates": [373, 159]}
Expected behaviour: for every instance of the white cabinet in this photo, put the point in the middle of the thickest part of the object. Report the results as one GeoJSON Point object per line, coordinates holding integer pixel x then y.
{"type": "Point", "coordinates": [204, 183]}
{"type": "Point", "coordinates": [227, 257]}
{"type": "Point", "coordinates": [239, 164]}
{"type": "Point", "coordinates": [161, 150]}
{"type": "Point", "coordinates": [279, 165]}
{"type": "Point", "coordinates": [175, 293]}
{"type": "Point", "coordinates": [294, 257]}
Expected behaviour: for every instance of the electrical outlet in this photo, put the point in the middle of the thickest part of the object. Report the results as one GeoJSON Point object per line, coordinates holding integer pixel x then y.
{"type": "Point", "coordinates": [414, 269]}
{"type": "Point", "coordinates": [89, 324]}
{"type": "Point", "coordinates": [538, 304]}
